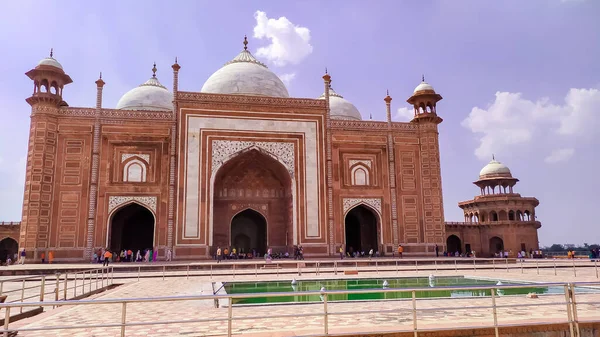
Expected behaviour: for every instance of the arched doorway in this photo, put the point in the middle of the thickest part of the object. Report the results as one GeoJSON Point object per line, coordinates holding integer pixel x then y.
{"type": "Point", "coordinates": [132, 227]}
{"type": "Point", "coordinates": [496, 245]}
{"type": "Point", "coordinates": [360, 226]}
{"type": "Point", "coordinates": [249, 231]}
{"type": "Point", "coordinates": [454, 245]}
{"type": "Point", "coordinates": [8, 247]}
{"type": "Point", "coordinates": [253, 179]}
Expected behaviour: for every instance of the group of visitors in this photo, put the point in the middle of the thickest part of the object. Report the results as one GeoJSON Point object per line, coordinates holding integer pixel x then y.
{"type": "Point", "coordinates": [105, 256]}
{"type": "Point", "coordinates": [233, 254]}
{"type": "Point", "coordinates": [594, 253]}
{"type": "Point", "coordinates": [19, 257]}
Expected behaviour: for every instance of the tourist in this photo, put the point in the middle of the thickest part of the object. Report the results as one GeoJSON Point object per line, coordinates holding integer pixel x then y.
{"type": "Point", "coordinates": [234, 253]}
{"type": "Point", "coordinates": [147, 255]}
{"type": "Point", "coordinates": [219, 256]}
{"type": "Point", "coordinates": [138, 256]}
{"type": "Point", "coordinates": [370, 253]}
{"type": "Point", "coordinates": [22, 257]}
{"type": "Point", "coordinates": [8, 261]}
{"type": "Point", "coordinates": [95, 257]}
{"type": "Point", "coordinates": [155, 255]}
{"type": "Point", "coordinates": [50, 257]}
{"type": "Point", "coordinates": [226, 253]}
{"type": "Point", "coordinates": [107, 256]}
{"type": "Point", "coordinates": [437, 251]}
{"type": "Point", "coordinates": [169, 255]}
{"type": "Point", "coordinates": [400, 250]}
{"type": "Point", "coordinates": [341, 253]}
{"type": "Point", "coordinates": [43, 256]}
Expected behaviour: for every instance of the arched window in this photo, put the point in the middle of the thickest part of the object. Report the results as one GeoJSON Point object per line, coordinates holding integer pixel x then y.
{"type": "Point", "coordinates": [360, 175]}
{"type": "Point", "coordinates": [135, 171]}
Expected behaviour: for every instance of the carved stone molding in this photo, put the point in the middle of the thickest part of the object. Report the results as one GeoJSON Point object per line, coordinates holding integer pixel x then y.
{"type": "Point", "coordinates": [365, 162]}
{"type": "Point", "coordinates": [349, 203]}
{"type": "Point", "coordinates": [114, 113]}
{"type": "Point", "coordinates": [126, 156]}
{"type": "Point", "coordinates": [243, 99]}
{"type": "Point", "coordinates": [116, 201]}
{"type": "Point", "coordinates": [222, 150]}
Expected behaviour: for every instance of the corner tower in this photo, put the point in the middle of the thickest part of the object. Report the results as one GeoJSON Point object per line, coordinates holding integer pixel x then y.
{"type": "Point", "coordinates": [429, 230]}
{"type": "Point", "coordinates": [49, 79]}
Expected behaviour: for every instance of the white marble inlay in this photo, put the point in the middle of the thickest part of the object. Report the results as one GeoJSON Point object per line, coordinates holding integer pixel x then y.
{"type": "Point", "coordinates": [126, 156]}
{"type": "Point", "coordinates": [194, 169]}
{"type": "Point", "coordinates": [366, 162]}
{"type": "Point", "coordinates": [223, 150]}
{"type": "Point", "coordinates": [349, 203]}
{"type": "Point", "coordinates": [116, 201]}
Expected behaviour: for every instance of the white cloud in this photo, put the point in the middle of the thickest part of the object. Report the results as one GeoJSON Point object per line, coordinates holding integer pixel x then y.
{"type": "Point", "coordinates": [404, 114]}
{"type": "Point", "coordinates": [511, 122]}
{"type": "Point", "coordinates": [559, 155]}
{"type": "Point", "coordinates": [290, 44]}
{"type": "Point", "coordinates": [287, 78]}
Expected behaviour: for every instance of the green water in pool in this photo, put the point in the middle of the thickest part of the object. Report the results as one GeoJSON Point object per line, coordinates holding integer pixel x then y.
{"type": "Point", "coordinates": [425, 283]}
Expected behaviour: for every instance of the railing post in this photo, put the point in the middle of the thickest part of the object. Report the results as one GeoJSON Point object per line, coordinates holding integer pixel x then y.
{"type": "Point", "coordinates": [83, 283]}
{"type": "Point", "coordinates": [416, 266]}
{"type": "Point", "coordinates": [537, 267]}
{"type": "Point", "coordinates": [574, 270]}
{"type": "Point", "coordinates": [569, 313]}
{"type": "Point", "coordinates": [574, 308]}
{"type": "Point", "coordinates": [325, 315]}
{"type": "Point", "coordinates": [75, 286]}
{"type": "Point", "coordinates": [164, 267]}
{"type": "Point", "coordinates": [112, 275]}
{"type": "Point", "coordinates": [506, 260]}
{"type": "Point", "coordinates": [6, 321]}
{"type": "Point", "coordinates": [256, 269]}
{"type": "Point", "coordinates": [65, 287]}
{"type": "Point", "coordinates": [495, 313]}
{"type": "Point", "coordinates": [22, 294]}
{"type": "Point", "coordinates": [596, 267]}
{"type": "Point", "coordinates": [414, 312]}
{"type": "Point", "coordinates": [139, 271]}
{"type": "Point", "coordinates": [276, 269]}
{"type": "Point", "coordinates": [521, 266]}
{"type": "Point", "coordinates": [96, 279]}
{"type": "Point", "coordinates": [187, 273]}
{"type": "Point", "coordinates": [494, 264]}
{"type": "Point", "coordinates": [211, 272]}
{"type": "Point", "coordinates": [376, 267]}
{"type": "Point", "coordinates": [1, 286]}
{"type": "Point", "coordinates": [455, 266]}
{"type": "Point", "coordinates": [42, 288]}
{"type": "Point", "coordinates": [397, 268]}
{"type": "Point", "coordinates": [230, 317]}
{"type": "Point", "coordinates": [474, 266]}
{"type": "Point", "coordinates": [555, 267]}
{"type": "Point", "coordinates": [334, 267]}
{"type": "Point", "coordinates": [123, 318]}
{"type": "Point", "coordinates": [435, 262]}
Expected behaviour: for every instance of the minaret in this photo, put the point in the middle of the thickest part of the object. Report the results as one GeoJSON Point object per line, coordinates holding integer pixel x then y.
{"type": "Point", "coordinates": [392, 170]}
{"type": "Point", "coordinates": [49, 79]}
{"type": "Point", "coordinates": [431, 228]}
{"type": "Point", "coordinates": [328, 156]}
{"type": "Point", "coordinates": [173, 159]}
{"type": "Point", "coordinates": [91, 220]}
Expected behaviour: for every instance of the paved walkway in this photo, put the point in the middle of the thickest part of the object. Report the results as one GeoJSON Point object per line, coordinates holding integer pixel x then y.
{"type": "Point", "coordinates": [344, 316]}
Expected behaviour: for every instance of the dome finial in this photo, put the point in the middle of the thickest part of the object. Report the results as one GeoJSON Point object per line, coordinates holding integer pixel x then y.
{"type": "Point", "coordinates": [423, 77]}
{"type": "Point", "coordinates": [493, 157]}
{"type": "Point", "coordinates": [326, 70]}
{"type": "Point", "coordinates": [245, 42]}
{"type": "Point", "coordinates": [370, 116]}
{"type": "Point", "coordinates": [154, 70]}
{"type": "Point", "coordinates": [100, 75]}
{"type": "Point", "coordinates": [176, 60]}
{"type": "Point", "coordinates": [51, 52]}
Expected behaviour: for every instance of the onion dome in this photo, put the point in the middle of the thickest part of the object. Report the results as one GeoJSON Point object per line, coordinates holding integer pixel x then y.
{"type": "Point", "coordinates": [494, 169]}
{"type": "Point", "coordinates": [340, 108]}
{"type": "Point", "coordinates": [245, 75]}
{"type": "Point", "coordinates": [424, 88]}
{"type": "Point", "coordinates": [50, 61]}
{"type": "Point", "coordinates": [148, 96]}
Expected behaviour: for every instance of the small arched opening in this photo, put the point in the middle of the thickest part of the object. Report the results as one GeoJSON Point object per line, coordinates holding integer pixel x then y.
{"type": "Point", "coordinates": [249, 231]}
{"type": "Point", "coordinates": [132, 227]}
{"type": "Point", "coordinates": [454, 244]}
{"type": "Point", "coordinates": [493, 216]}
{"type": "Point", "coordinates": [360, 225]}
{"type": "Point", "coordinates": [511, 215]}
{"type": "Point", "coordinates": [8, 248]}
{"type": "Point", "coordinates": [496, 245]}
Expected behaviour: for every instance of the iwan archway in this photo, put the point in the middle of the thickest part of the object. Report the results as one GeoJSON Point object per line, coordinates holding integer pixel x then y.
{"type": "Point", "coordinates": [361, 225]}
{"type": "Point", "coordinates": [253, 182]}
{"type": "Point", "coordinates": [132, 227]}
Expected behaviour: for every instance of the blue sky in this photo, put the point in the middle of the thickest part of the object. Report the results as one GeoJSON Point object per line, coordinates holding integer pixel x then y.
{"type": "Point", "coordinates": [520, 79]}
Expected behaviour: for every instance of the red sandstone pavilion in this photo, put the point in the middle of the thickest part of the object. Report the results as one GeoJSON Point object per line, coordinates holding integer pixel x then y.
{"type": "Point", "coordinates": [241, 164]}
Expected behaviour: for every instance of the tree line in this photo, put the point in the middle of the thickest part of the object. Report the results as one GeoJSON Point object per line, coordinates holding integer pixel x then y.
{"type": "Point", "coordinates": [557, 247]}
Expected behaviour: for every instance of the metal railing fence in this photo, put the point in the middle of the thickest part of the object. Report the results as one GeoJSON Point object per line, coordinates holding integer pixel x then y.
{"type": "Point", "coordinates": [570, 308]}
{"type": "Point", "coordinates": [58, 286]}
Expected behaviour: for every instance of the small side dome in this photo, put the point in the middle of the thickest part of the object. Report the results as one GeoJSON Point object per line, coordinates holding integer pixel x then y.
{"type": "Point", "coordinates": [340, 108]}
{"type": "Point", "coordinates": [50, 61]}
{"type": "Point", "coordinates": [424, 87]}
{"type": "Point", "coordinates": [148, 96]}
{"type": "Point", "coordinates": [245, 75]}
{"type": "Point", "coordinates": [495, 169]}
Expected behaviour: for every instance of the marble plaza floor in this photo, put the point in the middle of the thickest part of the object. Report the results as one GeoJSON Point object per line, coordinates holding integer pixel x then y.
{"type": "Point", "coordinates": [344, 317]}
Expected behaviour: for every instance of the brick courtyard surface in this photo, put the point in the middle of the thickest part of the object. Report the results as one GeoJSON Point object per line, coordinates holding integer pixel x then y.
{"type": "Point", "coordinates": [344, 317]}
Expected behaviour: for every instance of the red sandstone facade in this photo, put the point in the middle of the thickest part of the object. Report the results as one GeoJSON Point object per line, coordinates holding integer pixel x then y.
{"type": "Point", "coordinates": [248, 171]}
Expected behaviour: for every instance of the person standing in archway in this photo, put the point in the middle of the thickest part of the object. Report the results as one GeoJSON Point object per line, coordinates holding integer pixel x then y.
{"type": "Point", "coordinates": [107, 257]}
{"type": "Point", "coordinates": [50, 257]}
{"type": "Point", "coordinates": [437, 250]}
{"type": "Point", "coordinates": [341, 252]}
{"type": "Point", "coordinates": [219, 254]}
{"type": "Point", "coordinates": [400, 251]}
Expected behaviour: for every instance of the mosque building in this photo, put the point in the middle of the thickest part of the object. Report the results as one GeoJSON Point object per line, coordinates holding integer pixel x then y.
{"type": "Point", "coordinates": [242, 164]}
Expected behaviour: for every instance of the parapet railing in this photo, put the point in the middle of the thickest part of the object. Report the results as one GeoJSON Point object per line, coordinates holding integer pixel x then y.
{"type": "Point", "coordinates": [569, 303]}
{"type": "Point", "coordinates": [58, 286]}
{"type": "Point", "coordinates": [256, 267]}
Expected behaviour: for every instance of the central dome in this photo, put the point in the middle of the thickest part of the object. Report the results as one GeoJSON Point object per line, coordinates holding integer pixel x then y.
{"type": "Point", "coordinates": [245, 75]}
{"type": "Point", "coordinates": [340, 108]}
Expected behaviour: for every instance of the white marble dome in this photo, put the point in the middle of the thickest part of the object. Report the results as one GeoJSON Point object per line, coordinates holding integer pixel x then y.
{"type": "Point", "coordinates": [423, 86]}
{"type": "Point", "coordinates": [148, 96]}
{"type": "Point", "coordinates": [244, 75]}
{"type": "Point", "coordinates": [50, 61]}
{"type": "Point", "coordinates": [340, 108]}
{"type": "Point", "coordinates": [495, 169]}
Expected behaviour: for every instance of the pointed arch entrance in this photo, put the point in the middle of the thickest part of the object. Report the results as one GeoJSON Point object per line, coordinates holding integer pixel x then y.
{"type": "Point", "coordinates": [8, 247]}
{"type": "Point", "coordinates": [132, 227]}
{"type": "Point", "coordinates": [454, 244]}
{"type": "Point", "coordinates": [496, 245]}
{"type": "Point", "coordinates": [249, 231]}
{"type": "Point", "coordinates": [253, 180]}
{"type": "Point", "coordinates": [361, 225]}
